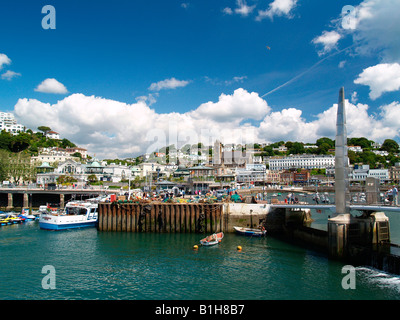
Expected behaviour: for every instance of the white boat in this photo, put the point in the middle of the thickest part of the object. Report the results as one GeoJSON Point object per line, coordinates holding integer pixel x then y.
{"type": "Point", "coordinates": [250, 231]}
{"type": "Point", "coordinates": [77, 214]}
{"type": "Point", "coordinates": [212, 239]}
{"type": "Point", "coordinates": [43, 209]}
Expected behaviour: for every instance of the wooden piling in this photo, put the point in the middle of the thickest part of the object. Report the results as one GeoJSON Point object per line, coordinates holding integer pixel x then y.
{"type": "Point", "coordinates": [177, 218]}
{"type": "Point", "coordinates": [109, 218]}
{"type": "Point", "coordinates": [167, 211]}
{"type": "Point", "coordinates": [191, 219]}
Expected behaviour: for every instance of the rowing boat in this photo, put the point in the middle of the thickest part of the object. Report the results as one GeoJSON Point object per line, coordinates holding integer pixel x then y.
{"type": "Point", "coordinates": [250, 231]}
{"type": "Point", "coordinates": [212, 239]}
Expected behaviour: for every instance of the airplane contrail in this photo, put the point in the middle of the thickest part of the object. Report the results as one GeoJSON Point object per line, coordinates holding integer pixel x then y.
{"type": "Point", "coordinates": [304, 72]}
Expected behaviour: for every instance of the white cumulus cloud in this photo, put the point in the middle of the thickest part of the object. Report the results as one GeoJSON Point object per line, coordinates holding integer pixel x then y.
{"type": "Point", "coordinates": [110, 129]}
{"type": "Point", "coordinates": [9, 75]}
{"type": "Point", "coordinates": [4, 60]}
{"type": "Point", "coordinates": [237, 107]}
{"type": "Point", "coordinates": [381, 78]}
{"type": "Point", "coordinates": [227, 10]}
{"type": "Point", "coordinates": [377, 29]}
{"type": "Point", "coordinates": [168, 84]}
{"type": "Point", "coordinates": [328, 39]}
{"type": "Point", "coordinates": [243, 9]}
{"type": "Point", "coordinates": [277, 8]}
{"type": "Point", "coordinates": [51, 85]}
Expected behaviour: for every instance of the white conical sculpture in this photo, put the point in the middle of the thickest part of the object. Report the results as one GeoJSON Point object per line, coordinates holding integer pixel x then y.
{"type": "Point", "coordinates": [342, 194]}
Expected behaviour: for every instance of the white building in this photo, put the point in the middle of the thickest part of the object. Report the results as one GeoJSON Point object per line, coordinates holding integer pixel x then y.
{"type": "Point", "coordinates": [53, 135]}
{"type": "Point", "coordinates": [81, 172]}
{"type": "Point", "coordinates": [117, 172]}
{"type": "Point", "coordinates": [151, 168]}
{"type": "Point", "coordinates": [302, 162]}
{"type": "Point", "coordinates": [51, 158]}
{"type": "Point", "coordinates": [361, 174]}
{"type": "Point", "coordinates": [382, 153]}
{"type": "Point", "coordinates": [52, 154]}
{"type": "Point", "coordinates": [355, 148]}
{"type": "Point", "coordinates": [9, 124]}
{"type": "Point", "coordinates": [251, 174]}
{"type": "Point", "coordinates": [381, 174]}
{"type": "Point", "coordinates": [73, 150]}
{"type": "Point", "coordinates": [281, 148]}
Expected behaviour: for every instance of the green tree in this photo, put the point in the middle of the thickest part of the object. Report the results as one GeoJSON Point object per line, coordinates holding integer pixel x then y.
{"type": "Point", "coordinates": [20, 142]}
{"type": "Point", "coordinates": [324, 147]}
{"type": "Point", "coordinates": [277, 144]}
{"type": "Point", "coordinates": [6, 139]}
{"type": "Point", "coordinates": [268, 151]}
{"type": "Point", "coordinates": [64, 179]}
{"type": "Point", "coordinates": [353, 157]}
{"type": "Point", "coordinates": [4, 163]}
{"type": "Point", "coordinates": [65, 143]}
{"type": "Point", "coordinates": [329, 142]}
{"type": "Point", "coordinates": [288, 144]}
{"type": "Point", "coordinates": [44, 129]}
{"type": "Point", "coordinates": [92, 178]}
{"type": "Point", "coordinates": [296, 148]}
{"type": "Point", "coordinates": [362, 142]}
{"type": "Point", "coordinates": [368, 157]}
{"type": "Point", "coordinates": [390, 146]}
{"type": "Point", "coordinates": [19, 168]}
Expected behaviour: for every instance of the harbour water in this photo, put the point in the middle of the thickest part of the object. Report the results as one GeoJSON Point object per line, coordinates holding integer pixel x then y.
{"type": "Point", "coordinates": [97, 265]}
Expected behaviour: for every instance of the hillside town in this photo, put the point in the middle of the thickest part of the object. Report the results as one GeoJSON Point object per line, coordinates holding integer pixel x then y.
{"type": "Point", "coordinates": [191, 168]}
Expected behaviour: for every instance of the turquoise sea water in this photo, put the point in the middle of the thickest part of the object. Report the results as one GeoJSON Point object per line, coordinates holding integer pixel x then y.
{"type": "Point", "coordinates": [90, 264]}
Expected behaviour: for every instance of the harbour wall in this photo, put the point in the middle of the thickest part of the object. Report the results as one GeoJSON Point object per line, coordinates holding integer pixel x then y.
{"type": "Point", "coordinates": [193, 217]}
{"type": "Point", "coordinates": [161, 217]}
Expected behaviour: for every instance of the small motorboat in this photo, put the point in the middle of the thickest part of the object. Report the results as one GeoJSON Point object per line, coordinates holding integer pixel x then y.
{"type": "Point", "coordinates": [26, 215]}
{"type": "Point", "coordinates": [212, 239]}
{"type": "Point", "coordinates": [5, 221]}
{"type": "Point", "coordinates": [29, 217]}
{"type": "Point", "coordinates": [16, 220]}
{"type": "Point", "coordinates": [250, 231]}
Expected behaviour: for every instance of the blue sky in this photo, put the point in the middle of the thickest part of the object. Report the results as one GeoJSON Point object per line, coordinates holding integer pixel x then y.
{"type": "Point", "coordinates": [177, 56]}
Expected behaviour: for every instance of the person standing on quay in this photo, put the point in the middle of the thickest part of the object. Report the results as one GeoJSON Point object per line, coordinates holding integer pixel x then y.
{"type": "Point", "coordinates": [395, 194]}
{"type": "Point", "coordinates": [390, 196]}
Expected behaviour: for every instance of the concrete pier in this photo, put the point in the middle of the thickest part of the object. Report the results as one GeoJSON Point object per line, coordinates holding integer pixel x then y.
{"type": "Point", "coordinates": [10, 205]}
{"type": "Point", "coordinates": [25, 200]}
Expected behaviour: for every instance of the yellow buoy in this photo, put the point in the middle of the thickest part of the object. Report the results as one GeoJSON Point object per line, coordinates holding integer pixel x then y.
{"type": "Point", "coordinates": [239, 248]}
{"type": "Point", "coordinates": [195, 247]}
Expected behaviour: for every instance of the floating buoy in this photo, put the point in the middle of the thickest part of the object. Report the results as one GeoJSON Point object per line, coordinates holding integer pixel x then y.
{"type": "Point", "coordinates": [239, 248]}
{"type": "Point", "coordinates": [195, 247]}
